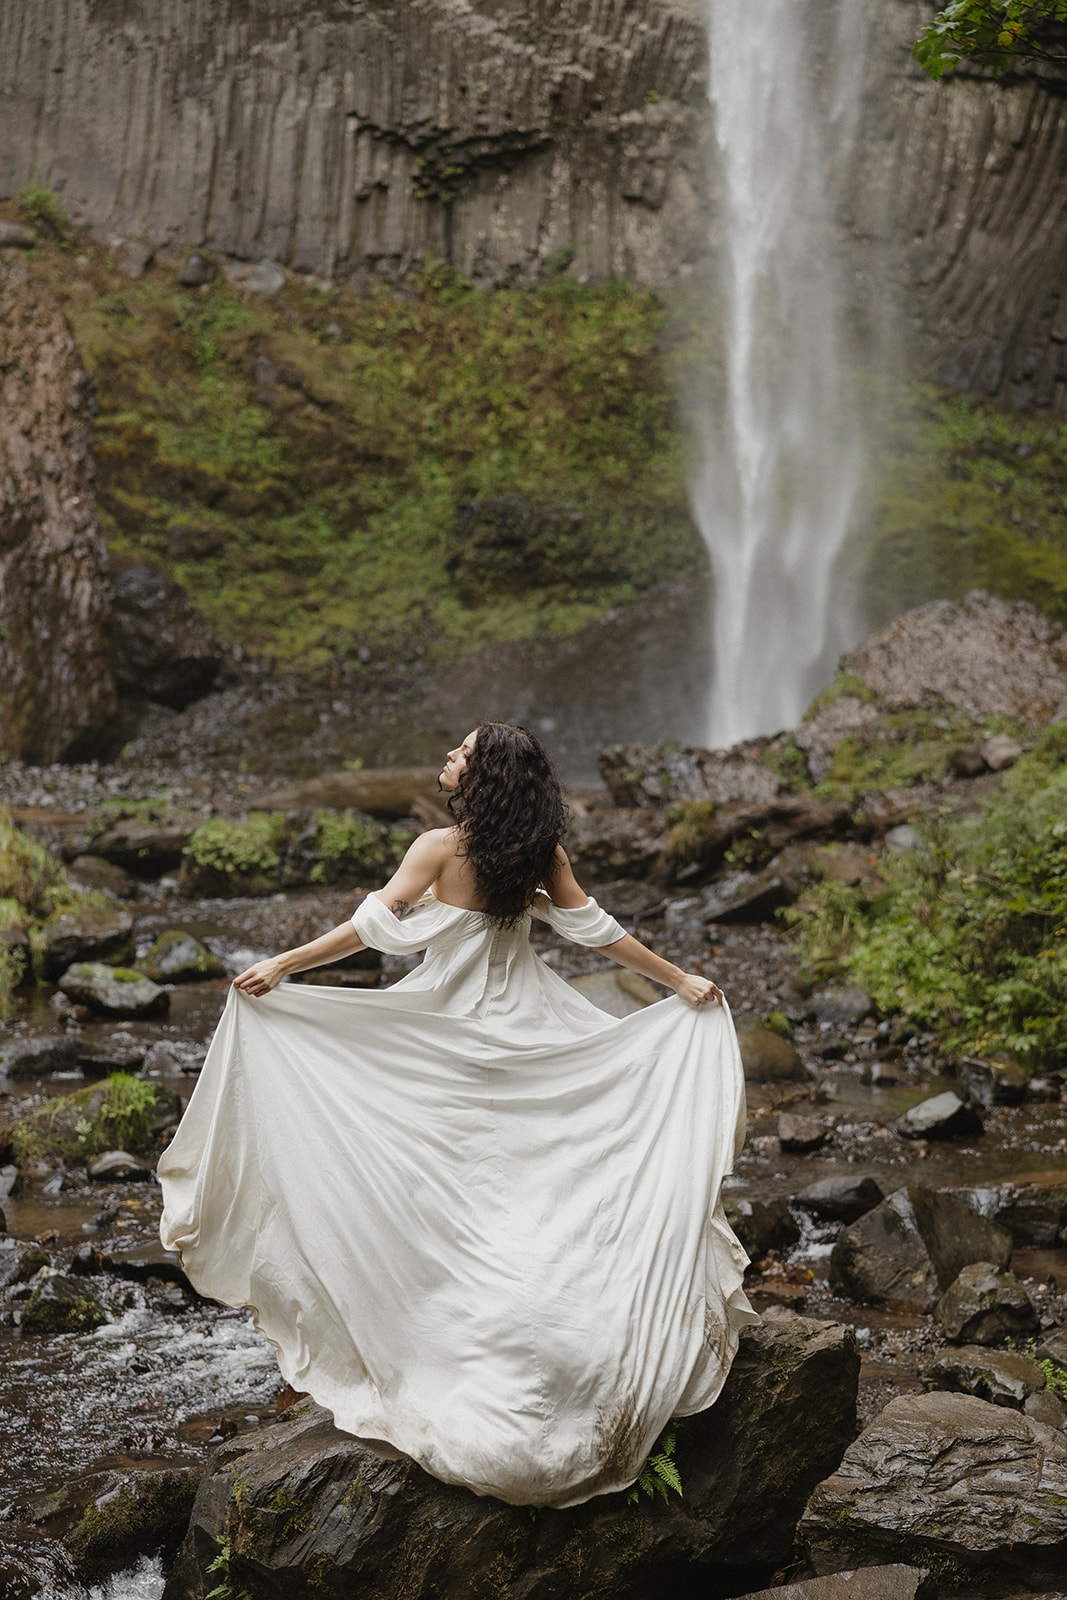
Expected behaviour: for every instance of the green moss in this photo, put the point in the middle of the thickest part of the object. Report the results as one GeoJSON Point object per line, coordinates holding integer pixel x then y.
{"type": "Point", "coordinates": [115, 1115]}
{"type": "Point", "coordinates": [966, 497]}
{"type": "Point", "coordinates": [845, 683]}
{"type": "Point", "coordinates": [356, 849]}
{"type": "Point", "coordinates": [29, 874]}
{"type": "Point", "coordinates": [229, 856]}
{"type": "Point", "coordinates": [60, 1316]}
{"type": "Point", "coordinates": [777, 1022]}
{"type": "Point", "coordinates": [906, 748]}
{"type": "Point", "coordinates": [150, 1513]}
{"type": "Point", "coordinates": [689, 824]}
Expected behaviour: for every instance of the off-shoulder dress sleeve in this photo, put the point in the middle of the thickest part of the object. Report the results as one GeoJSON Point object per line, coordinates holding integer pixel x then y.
{"type": "Point", "coordinates": [589, 924]}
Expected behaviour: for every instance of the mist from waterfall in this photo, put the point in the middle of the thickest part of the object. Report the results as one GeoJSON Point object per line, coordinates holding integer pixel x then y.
{"type": "Point", "coordinates": [780, 445]}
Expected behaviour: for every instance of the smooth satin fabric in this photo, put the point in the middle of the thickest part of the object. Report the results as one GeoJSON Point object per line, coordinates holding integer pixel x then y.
{"type": "Point", "coordinates": [479, 1218]}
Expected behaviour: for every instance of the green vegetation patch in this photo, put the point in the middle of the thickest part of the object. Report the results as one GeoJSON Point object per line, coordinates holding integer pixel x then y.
{"type": "Point", "coordinates": [967, 936]}
{"type": "Point", "coordinates": [270, 850]}
{"type": "Point", "coordinates": [301, 463]}
{"type": "Point", "coordinates": [29, 875]}
{"type": "Point", "coordinates": [115, 1115]}
{"type": "Point", "coordinates": [967, 497]}
{"type": "Point", "coordinates": [905, 748]}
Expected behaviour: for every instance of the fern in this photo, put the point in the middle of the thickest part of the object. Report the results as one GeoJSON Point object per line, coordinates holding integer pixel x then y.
{"type": "Point", "coordinates": [225, 1590]}
{"type": "Point", "coordinates": [659, 1475]}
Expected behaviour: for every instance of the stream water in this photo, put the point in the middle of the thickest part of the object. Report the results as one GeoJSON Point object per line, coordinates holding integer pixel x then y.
{"type": "Point", "coordinates": [167, 1374]}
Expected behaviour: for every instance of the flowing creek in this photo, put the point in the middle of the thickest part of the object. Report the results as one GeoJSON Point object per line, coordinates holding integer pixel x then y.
{"type": "Point", "coordinates": [168, 1374]}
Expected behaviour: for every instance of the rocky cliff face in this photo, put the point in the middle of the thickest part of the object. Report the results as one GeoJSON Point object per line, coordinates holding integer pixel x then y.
{"type": "Point", "coordinates": [355, 136]}
{"type": "Point", "coordinates": [57, 685]}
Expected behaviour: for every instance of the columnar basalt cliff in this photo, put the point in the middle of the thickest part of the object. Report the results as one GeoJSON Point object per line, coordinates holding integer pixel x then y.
{"type": "Point", "coordinates": [355, 137]}
{"type": "Point", "coordinates": [57, 683]}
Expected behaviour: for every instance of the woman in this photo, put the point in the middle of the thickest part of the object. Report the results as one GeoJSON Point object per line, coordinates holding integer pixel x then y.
{"type": "Point", "coordinates": [479, 1218]}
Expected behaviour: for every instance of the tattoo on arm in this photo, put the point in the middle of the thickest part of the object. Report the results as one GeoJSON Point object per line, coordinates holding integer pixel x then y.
{"type": "Point", "coordinates": [400, 909]}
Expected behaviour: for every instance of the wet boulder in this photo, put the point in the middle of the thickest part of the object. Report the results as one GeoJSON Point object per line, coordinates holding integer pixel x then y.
{"type": "Point", "coordinates": [839, 1199]}
{"type": "Point", "coordinates": [163, 649]}
{"type": "Point", "coordinates": [943, 1116]}
{"type": "Point", "coordinates": [762, 1225]}
{"type": "Point", "coordinates": [865, 1583]}
{"type": "Point", "coordinates": [907, 1251]}
{"type": "Point", "coordinates": [114, 991]}
{"type": "Point", "coordinates": [131, 1514]}
{"type": "Point", "coordinates": [300, 1500]}
{"type": "Point", "coordinates": [115, 1051]}
{"type": "Point", "coordinates": [768, 1058]}
{"type": "Point", "coordinates": [176, 957]}
{"type": "Point", "coordinates": [1002, 1377]}
{"type": "Point", "coordinates": [605, 843]}
{"type": "Point", "coordinates": [37, 1058]}
{"type": "Point", "coordinates": [999, 1081]}
{"type": "Point", "coordinates": [85, 933]}
{"type": "Point", "coordinates": [140, 1262]}
{"type": "Point", "coordinates": [1036, 1217]}
{"type": "Point", "coordinates": [145, 849]}
{"type": "Point", "coordinates": [984, 1306]}
{"type": "Point", "coordinates": [800, 1135]}
{"type": "Point", "coordinates": [1053, 1347]}
{"type": "Point", "coordinates": [62, 1304]}
{"type": "Point", "coordinates": [119, 1166]}
{"type": "Point", "coordinates": [976, 1491]}
{"type": "Point", "coordinates": [93, 872]}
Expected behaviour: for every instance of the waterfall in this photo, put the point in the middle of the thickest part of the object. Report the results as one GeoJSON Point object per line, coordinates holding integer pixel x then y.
{"type": "Point", "coordinates": [780, 450]}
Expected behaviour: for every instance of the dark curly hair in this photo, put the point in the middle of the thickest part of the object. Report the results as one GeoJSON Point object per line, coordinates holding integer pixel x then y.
{"type": "Point", "coordinates": [511, 815]}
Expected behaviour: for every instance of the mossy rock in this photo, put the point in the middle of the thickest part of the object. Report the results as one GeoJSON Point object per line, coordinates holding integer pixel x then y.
{"type": "Point", "coordinates": [176, 957]}
{"type": "Point", "coordinates": [147, 1513]}
{"type": "Point", "coordinates": [80, 1126]}
{"type": "Point", "coordinates": [114, 991]}
{"type": "Point", "coordinates": [62, 1305]}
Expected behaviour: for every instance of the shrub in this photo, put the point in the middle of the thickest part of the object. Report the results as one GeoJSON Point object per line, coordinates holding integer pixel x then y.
{"type": "Point", "coordinates": [80, 1126]}
{"type": "Point", "coordinates": [968, 936]}
{"type": "Point", "coordinates": [30, 875]}
{"type": "Point", "coordinates": [43, 208]}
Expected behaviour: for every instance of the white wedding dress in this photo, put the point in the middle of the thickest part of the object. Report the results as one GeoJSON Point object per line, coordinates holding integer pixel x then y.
{"type": "Point", "coordinates": [479, 1218]}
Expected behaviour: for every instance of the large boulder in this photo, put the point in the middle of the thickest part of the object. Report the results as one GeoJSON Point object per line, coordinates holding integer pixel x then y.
{"type": "Point", "coordinates": [986, 655]}
{"type": "Point", "coordinates": [907, 1251]}
{"type": "Point", "coordinates": [762, 1225]}
{"type": "Point", "coordinates": [1003, 1377]}
{"type": "Point", "coordinates": [942, 1116]}
{"type": "Point", "coordinates": [176, 957]}
{"type": "Point", "coordinates": [114, 991]}
{"type": "Point", "coordinates": [145, 849]}
{"type": "Point", "coordinates": [984, 1306]}
{"type": "Point", "coordinates": [660, 775]}
{"type": "Point", "coordinates": [163, 649]}
{"type": "Point", "coordinates": [38, 1058]}
{"type": "Point", "coordinates": [768, 1058]}
{"type": "Point", "coordinates": [1036, 1217]}
{"type": "Point", "coordinates": [62, 1304]}
{"type": "Point", "coordinates": [866, 1583]}
{"type": "Point", "coordinates": [975, 1491]}
{"type": "Point", "coordinates": [839, 1199]}
{"type": "Point", "coordinates": [57, 683]}
{"type": "Point", "coordinates": [85, 933]}
{"type": "Point", "coordinates": [303, 1505]}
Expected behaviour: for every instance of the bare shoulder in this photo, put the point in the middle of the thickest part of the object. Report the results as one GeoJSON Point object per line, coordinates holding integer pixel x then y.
{"type": "Point", "coordinates": [436, 844]}
{"type": "Point", "coordinates": [564, 890]}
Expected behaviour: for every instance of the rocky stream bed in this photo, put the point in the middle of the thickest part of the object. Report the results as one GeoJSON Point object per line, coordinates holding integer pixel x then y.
{"type": "Point", "coordinates": [900, 1413]}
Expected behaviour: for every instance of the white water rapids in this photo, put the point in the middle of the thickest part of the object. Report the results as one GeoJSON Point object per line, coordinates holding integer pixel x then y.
{"type": "Point", "coordinates": [781, 454]}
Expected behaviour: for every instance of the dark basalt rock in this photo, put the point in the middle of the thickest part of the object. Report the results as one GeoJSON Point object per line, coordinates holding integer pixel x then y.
{"type": "Point", "coordinates": [762, 1225]}
{"type": "Point", "coordinates": [974, 1491]}
{"type": "Point", "coordinates": [943, 1116]}
{"type": "Point", "coordinates": [1002, 1377]}
{"type": "Point", "coordinates": [985, 1306]}
{"type": "Point", "coordinates": [798, 1135]}
{"type": "Point", "coordinates": [36, 1058]}
{"type": "Point", "coordinates": [86, 933]}
{"type": "Point", "coordinates": [130, 1515]}
{"type": "Point", "coordinates": [839, 1199]}
{"type": "Point", "coordinates": [907, 1251]}
{"type": "Point", "coordinates": [309, 1511]}
{"type": "Point", "coordinates": [868, 1583]}
{"type": "Point", "coordinates": [841, 1008]}
{"type": "Point", "coordinates": [163, 649]}
{"type": "Point", "coordinates": [997, 1082]}
{"type": "Point", "coordinates": [1035, 1217]}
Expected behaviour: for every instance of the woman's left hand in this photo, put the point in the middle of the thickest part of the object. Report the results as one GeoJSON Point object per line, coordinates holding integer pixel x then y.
{"type": "Point", "coordinates": [698, 991]}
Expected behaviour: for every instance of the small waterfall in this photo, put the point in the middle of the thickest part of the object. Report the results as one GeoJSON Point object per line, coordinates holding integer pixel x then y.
{"type": "Point", "coordinates": [780, 448]}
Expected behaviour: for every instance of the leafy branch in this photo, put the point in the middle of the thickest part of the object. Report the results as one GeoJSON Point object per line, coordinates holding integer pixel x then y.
{"type": "Point", "coordinates": [989, 36]}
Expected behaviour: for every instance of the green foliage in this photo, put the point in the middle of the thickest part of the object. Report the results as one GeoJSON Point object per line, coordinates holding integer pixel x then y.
{"type": "Point", "coordinates": [303, 484]}
{"type": "Point", "coordinates": [967, 497]}
{"type": "Point", "coordinates": [843, 683]}
{"type": "Point", "coordinates": [659, 1475]}
{"type": "Point", "coordinates": [992, 36]}
{"type": "Point", "coordinates": [238, 848]}
{"type": "Point", "coordinates": [227, 1587]}
{"type": "Point", "coordinates": [352, 846]}
{"type": "Point", "coordinates": [42, 208]}
{"type": "Point", "coordinates": [1055, 1378]}
{"type": "Point", "coordinates": [30, 874]}
{"type": "Point", "coordinates": [154, 809]}
{"type": "Point", "coordinates": [967, 936]}
{"type": "Point", "coordinates": [12, 967]}
{"type": "Point", "coordinates": [688, 824]}
{"type": "Point", "coordinates": [80, 1126]}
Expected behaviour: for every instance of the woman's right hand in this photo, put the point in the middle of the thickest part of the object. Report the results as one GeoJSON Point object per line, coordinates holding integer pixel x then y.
{"type": "Point", "coordinates": [698, 991]}
{"type": "Point", "coordinates": [262, 977]}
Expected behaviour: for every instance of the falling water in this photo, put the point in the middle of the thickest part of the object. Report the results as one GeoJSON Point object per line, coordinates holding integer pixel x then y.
{"type": "Point", "coordinates": [781, 452]}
